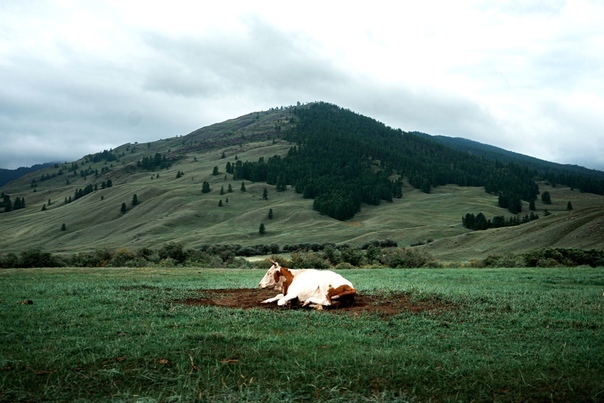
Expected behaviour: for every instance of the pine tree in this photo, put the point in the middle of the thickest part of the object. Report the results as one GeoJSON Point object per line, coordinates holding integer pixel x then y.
{"type": "Point", "coordinates": [243, 187]}
{"type": "Point", "coordinates": [215, 171]}
{"type": "Point", "coordinates": [265, 194]}
{"type": "Point", "coordinates": [569, 206]}
{"type": "Point", "coordinates": [546, 198]}
{"type": "Point", "coordinates": [262, 229]}
{"type": "Point", "coordinates": [124, 208]}
{"type": "Point", "coordinates": [135, 200]}
{"type": "Point", "coordinates": [270, 214]}
{"type": "Point", "coordinates": [8, 205]}
{"type": "Point", "coordinates": [63, 227]}
{"type": "Point", "coordinates": [230, 189]}
{"type": "Point", "coordinates": [220, 203]}
{"type": "Point", "coordinates": [205, 188]}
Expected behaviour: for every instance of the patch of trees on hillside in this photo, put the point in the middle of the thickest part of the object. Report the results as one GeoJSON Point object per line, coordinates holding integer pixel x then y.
{"type": "Point", "coordinates": [343, 159]}
{"type": "Point", "coordinates": [105, 155]}
{"type": "Point", "coordinates": [586, 184]}
{"type": "Point", "coordinates": [7, 205]}
{"type": "Point", "coordinates": [158, 161]}
{"type": "Point", "coordinates": [480, 222]}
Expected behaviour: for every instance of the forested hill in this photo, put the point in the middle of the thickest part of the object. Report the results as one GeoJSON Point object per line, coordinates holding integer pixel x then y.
{"type": "Point", "coordinates": [587, 180]}
{"type": "Point", "coordinates": [342, 159]}
{"type": "Point", "coordinates": [7, 175]}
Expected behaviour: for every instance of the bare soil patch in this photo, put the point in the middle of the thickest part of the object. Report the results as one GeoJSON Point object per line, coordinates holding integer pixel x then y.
{"type": "Point", "coordinates": [250, 298]}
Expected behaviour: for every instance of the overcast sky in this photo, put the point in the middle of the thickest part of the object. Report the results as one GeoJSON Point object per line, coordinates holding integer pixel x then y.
{"type": "Point", "coordinates": [79, 77]}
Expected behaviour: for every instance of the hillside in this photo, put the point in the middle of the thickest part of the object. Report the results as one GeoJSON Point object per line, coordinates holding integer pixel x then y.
{"type": "Point", "coordinates": [489, 152]}
{"type": "Point", "coordinates": [7, 175]}
{"type": "Point", "coordinates": [172, 207]}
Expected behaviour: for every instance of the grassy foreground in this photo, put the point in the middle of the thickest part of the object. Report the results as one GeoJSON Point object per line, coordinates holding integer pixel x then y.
{"type": "Point", "coordinates": [123, 335]}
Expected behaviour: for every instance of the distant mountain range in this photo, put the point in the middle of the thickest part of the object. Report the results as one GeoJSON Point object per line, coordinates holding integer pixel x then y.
{"type": "Point", "coordinates": [496, 153]}
{"type": "Point", "coordinates": [7, 175]}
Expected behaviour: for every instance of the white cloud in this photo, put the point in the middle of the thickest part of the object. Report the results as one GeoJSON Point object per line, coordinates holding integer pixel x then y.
{"type": "Point", "coordinates": [82, 77]}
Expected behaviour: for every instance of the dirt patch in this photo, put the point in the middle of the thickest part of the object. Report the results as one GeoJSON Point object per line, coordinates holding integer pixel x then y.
{"type": "Point", "coordinates": [248, 298]}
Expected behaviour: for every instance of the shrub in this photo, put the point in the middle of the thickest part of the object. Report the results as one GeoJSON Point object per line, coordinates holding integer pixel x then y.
{"type": "Point", "coordinates": [121, 257]}
{"type": "Point", "coordinates": [506, 260]}
{"type": "Point", "coordinates": [97, 258]}
{"type": "Point", "coordinates": [9, 260]}
{"type": "Point", "coordinates": [408, 258]}
{"type": "Point", "coordinates": [344, 266]}
{"type": "Point", "coordinates": [332, 254]}
{"type": "Point", "coordinates": [37, 258]}
{"type": "Point", "coordinates": [308, 261]}
{"type": "Point", "coordinates": [356, 257]}
{"type": "Point", "coordinates": [173, 251]}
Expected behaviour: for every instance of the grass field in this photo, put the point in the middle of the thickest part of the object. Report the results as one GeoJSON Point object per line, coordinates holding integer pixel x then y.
{"type": "Point", "coordinates": [126, 335]}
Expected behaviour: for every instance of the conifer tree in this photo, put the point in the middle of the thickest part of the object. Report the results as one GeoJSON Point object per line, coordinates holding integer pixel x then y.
{"type": "Point", "coordinates": [8, 205]}
{"type": "Point", "coordinates": [135, 200]}
{"type": "Point", "coordinates": [243, 187]}
{"type": "Point", "coordinates": [569, 206]}
{"type": "Point", "coordinates": [265, 194]}
{"type": "Point", "coordinates": [262, 229]}
{"type": "Point", "coordinates": [124, 208]}
{"type": "Point", "coordinates": [63, 227]}
{"type": "Point", "coordinates": [270, 214]}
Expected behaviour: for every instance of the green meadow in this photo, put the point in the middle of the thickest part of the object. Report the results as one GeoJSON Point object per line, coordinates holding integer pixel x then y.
{"type": "Point", "coordinates": [126, 335]}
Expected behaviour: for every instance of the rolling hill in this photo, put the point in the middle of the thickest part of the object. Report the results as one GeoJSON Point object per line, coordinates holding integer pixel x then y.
{"type": "Point", "coordinates": [77, 207]}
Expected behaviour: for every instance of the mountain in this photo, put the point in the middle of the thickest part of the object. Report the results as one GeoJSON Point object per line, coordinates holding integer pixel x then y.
{"type": "Point", "coordinates": [7, 175]}
{"type": "Point", "coordinates": [325, 174]}
{"type": "Point", "coordinates": [498, 154]}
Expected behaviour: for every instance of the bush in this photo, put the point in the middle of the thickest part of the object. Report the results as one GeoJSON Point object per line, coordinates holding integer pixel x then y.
{"type": "Point", "coordinates": [122, 257]}
{"type": "Point", "coordinates": [344, 266]}
{"type": "Point", "coordinates": [408, 258]}
{"type": "Point", "coordinates": [97, 258]}
{"type": "Point", "coordinates": [356, 257]}
{"type": "Point", "coordinates": [332, 254]}
{"type": "Point", "coordinates": [173, 251]}
{"type": "Point", "coordinates": [552, 257]}
{"type": "Point", "coordinates": [37, 258]}
{"type": "Point", "coordinates": [507, 260]}
{"type": "Point", "coordinates": [10, 260]}
{"type": "Point", "coordinates": [308, 261]}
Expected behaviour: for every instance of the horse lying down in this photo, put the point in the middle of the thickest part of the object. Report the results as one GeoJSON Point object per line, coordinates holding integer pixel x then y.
{"type": "Point", "coordinates": [314, 288]}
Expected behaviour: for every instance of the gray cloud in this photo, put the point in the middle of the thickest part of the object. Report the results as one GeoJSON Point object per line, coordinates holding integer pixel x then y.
{"type": "Point", "coordinates": [77, 81]}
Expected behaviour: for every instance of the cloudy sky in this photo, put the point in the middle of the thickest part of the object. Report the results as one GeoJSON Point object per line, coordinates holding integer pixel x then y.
{"type": "Point", "coordinates": [81, 77]}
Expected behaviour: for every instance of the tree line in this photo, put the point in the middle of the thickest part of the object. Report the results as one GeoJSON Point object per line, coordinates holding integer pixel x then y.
{"type": "Point", "coordinates": [480, 222]}
{"type": "Point", "coordinates": [325, 256]}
